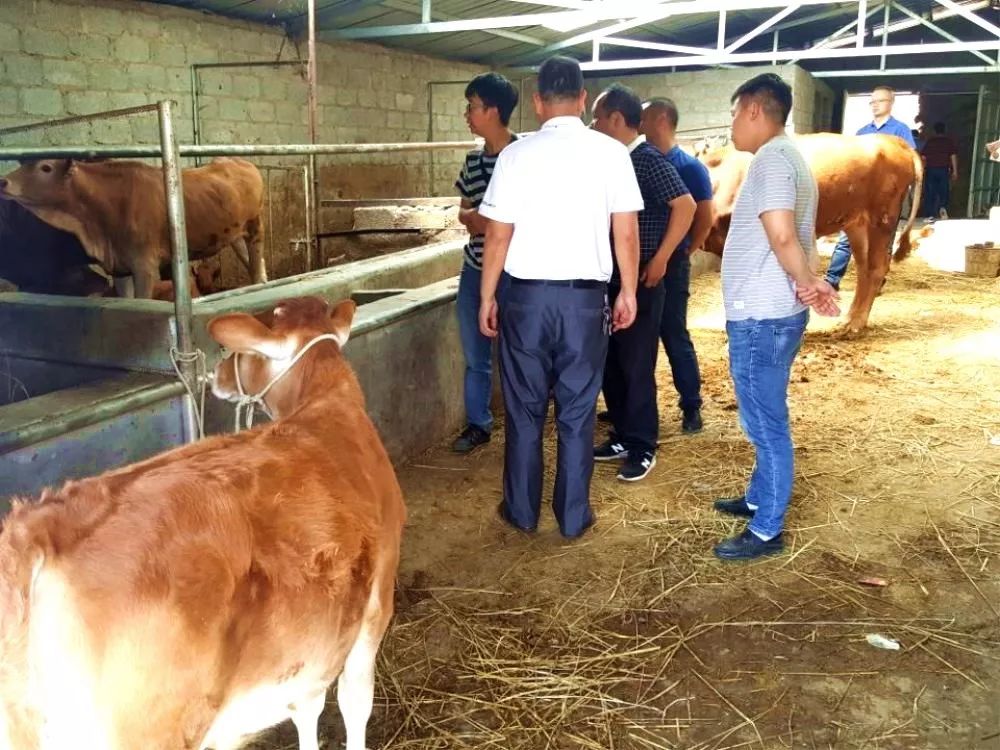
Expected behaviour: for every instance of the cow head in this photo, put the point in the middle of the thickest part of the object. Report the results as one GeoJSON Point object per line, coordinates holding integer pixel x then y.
{"type": "Point", "coordinates": [727, 169]}
{"type": "Point", "coordinates": [268, 344]}
{"type": "Point", "coordinates": [35, 183]}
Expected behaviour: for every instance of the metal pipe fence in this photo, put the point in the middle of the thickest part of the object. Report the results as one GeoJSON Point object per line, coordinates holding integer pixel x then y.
{"type": "Point", "coordinates": [170, 152]}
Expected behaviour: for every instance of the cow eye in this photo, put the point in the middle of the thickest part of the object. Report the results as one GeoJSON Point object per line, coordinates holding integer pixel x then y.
{"type": "Point", "coordinates": [46, 168]}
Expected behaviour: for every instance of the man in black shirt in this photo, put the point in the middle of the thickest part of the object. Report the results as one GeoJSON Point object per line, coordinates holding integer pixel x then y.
{"type": "Point", "coordinates": [630, 369]}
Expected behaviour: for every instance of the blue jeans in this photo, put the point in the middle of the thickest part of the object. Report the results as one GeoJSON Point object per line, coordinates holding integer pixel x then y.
{"type": "Point", "coordinates": [838, 261]}
{"type": "Point", "coordinates": [478, 350]}
{"type": "Point", "coordinates": [761, 353]}
{"type": "Point", "coordinates": [674, 331]}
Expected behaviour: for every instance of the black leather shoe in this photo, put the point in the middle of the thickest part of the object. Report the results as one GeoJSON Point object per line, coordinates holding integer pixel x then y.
{"type": "Point", "coordinates": [503, 516]}
{"type": "Point", "coordinates": [748, 546]}
{"type": "Point", "coordinates": [734, 506]}
{"type": "Point", "coordinates": [691, 423]}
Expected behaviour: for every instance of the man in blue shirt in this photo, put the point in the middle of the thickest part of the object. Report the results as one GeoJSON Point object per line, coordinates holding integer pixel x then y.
{"type": "Point", "coordinates": [883, 123]}
{"type": "Point", "coordinates": [659, 125]}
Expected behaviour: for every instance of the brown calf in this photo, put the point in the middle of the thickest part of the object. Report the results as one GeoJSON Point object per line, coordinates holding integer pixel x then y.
{"type": "Point", "coordinates": [219, 588]}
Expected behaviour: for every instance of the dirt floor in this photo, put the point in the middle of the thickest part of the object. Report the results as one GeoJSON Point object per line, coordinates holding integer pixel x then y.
{"type": "Point", "coordinates": [636, 637]}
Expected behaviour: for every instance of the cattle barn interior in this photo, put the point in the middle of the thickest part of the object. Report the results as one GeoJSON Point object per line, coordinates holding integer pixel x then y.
{"type": "Point", "coordinates": [634, 637]}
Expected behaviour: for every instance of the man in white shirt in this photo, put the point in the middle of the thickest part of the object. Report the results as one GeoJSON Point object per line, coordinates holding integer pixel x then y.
{"type": "Point", "coordinates": [551, 203]}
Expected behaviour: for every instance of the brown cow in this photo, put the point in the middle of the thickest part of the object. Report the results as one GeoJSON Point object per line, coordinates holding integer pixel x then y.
{"type": "Point", "coordinates": [862, 183]}
{"type": "Point", "coordinates": [217, 589]}
{"type": "Point", "coordinates": [118, 211]}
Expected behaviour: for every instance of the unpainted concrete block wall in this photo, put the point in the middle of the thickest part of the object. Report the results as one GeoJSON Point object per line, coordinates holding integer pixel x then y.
{"type": "Point", "coordinates": [702, 96]}
{"type": "Point", "coordinates": [60, 58]}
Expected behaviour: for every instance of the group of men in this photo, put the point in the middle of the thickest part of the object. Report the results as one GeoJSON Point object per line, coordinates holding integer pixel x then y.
{"type": "Point", "coordinates": [578, 259]}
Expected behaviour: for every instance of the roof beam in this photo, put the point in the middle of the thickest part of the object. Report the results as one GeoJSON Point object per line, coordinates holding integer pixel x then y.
{"type": "Point", "coordinates": [971, 17]}
{"type": "Point", "coordinates": [664, 10]}
{"type": "Point", "coordinates": [603, 32]}
{"type": "Point", "coordinates": [780, 15]}
{"type": "Point", "coordinates": [640, 14]}
{"type": "Point", "coordinates": [661, 46]}
{"type": "Point", "coordinates": [332, 11]}
{"type": "Point", "coordinates": [836, 40]}
{"type": "Point", "coordinates": [408, 7]}
{"type": "Point", "coordinates": [568, 4]}
{"type": "Point", "coordinates": [715, 58]}
{"type": "Point", "coordinates": [906, 72]}
{"type": "Point", "coordinates": [471, 24]}
{"type": "Point", "coordinates": [938, 30]}
{"type": "Point", "coordinates": [839, 11]}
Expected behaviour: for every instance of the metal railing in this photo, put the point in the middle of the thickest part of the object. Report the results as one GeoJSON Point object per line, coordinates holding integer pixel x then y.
{"type": "Point", "coordinates": [171, 152]}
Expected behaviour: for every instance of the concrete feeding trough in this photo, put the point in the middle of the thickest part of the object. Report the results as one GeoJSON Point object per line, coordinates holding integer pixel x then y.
{"type": "Point", "coordinates": [88, 384]}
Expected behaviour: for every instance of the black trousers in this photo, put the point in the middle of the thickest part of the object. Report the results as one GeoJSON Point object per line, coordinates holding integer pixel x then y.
{"type": "Point", "coordinates": [551, 339]}
{"type": "Point", "coordinates": [630, 373]}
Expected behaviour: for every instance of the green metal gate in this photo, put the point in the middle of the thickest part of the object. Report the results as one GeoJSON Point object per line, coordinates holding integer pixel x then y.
{"type": "Point", "coordinates": [984, 185]}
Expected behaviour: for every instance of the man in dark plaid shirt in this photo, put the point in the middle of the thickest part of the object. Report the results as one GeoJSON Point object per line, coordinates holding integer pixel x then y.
{"type": "Point", "coordinates": [630, 369]}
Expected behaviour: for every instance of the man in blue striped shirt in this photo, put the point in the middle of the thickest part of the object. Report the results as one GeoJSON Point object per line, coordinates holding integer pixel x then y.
{"type": "Point", "coordinates": [491, 100]}
{"type": "Point", "coordinates": [883, 123]}
{"type": "Point", "coordinates": [630, 369]}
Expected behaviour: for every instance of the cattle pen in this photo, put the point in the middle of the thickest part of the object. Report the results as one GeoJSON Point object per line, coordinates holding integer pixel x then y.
{"type": "Point", "coordinates": [116, 336]}
{"type": "Point", "coordinates": [879, 626]}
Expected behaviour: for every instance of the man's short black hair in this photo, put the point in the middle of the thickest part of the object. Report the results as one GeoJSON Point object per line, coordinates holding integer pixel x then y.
{"type": "Point", "coordinates": [560, 78]}
{"type": "Point", "coordinates": [667, 107]}
{"type": "Point", "coordinates": [774, 95]}
{"type": "Point", "coordinates": [939, 128]}
{"type": "Point", "coordinates": [494, 90]}
{"type": "Point", "coordinates": [620, 98]}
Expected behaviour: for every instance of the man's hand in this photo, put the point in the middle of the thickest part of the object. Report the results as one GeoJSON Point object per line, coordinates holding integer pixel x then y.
{"type": "Point", "coordinates": [473, 221]}
{"type": "Point", "coordinates": [819, 295]}
{"type": "Point", "coordinates": [623, 314]}
{"type": "Point", "coordinates": [488, 318]}
{"type": "Point", "coordinates": [654, 271]}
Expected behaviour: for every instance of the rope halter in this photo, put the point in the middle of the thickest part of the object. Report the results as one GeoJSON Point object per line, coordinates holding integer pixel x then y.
{"type": "Point", "coordinates": [247, 404]}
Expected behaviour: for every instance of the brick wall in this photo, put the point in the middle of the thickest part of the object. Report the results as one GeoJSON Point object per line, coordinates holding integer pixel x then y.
{"type": "Point", "coordinates": [67, 58]}
{"type": "Point", "coordinates": [702, 96]}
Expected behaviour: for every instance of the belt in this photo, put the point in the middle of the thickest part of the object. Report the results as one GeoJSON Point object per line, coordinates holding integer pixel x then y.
{"type": "Point", "coordinates": [572, 283]}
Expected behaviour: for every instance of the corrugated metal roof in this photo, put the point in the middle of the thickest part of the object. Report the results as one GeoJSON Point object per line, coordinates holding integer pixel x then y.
{"type": "Point", "coordinates": [529, 44]}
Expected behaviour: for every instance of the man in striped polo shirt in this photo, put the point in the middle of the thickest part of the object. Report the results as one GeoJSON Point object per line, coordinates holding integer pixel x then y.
{"type": "Point", "coordinates": [630, 369]}
{"type": "Point", "coordinates": [491, 100]}
{"type": "Point", "coordinates": [768, 281]}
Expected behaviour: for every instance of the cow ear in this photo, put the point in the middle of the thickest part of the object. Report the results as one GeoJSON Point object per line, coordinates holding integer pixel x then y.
{"type": "Point", "coordinates": [245, 334]}
{"type": "Point", "coordinates": [341, 318]}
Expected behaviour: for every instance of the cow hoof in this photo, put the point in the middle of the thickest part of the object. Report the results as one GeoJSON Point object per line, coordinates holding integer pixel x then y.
{"type": "Point", "coordinates": [849, 332]}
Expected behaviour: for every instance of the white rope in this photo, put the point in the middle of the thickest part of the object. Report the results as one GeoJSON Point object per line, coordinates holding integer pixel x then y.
{"type": "Point", "coordinates": [247, 404]}
{"type": "Point", "coordinates": [200, 382]}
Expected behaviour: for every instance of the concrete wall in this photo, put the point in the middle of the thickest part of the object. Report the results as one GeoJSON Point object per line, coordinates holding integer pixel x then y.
{"type": "Point", "coordinates": [63, 58]}
{"type": "Point", "coordinates": [702, 96]}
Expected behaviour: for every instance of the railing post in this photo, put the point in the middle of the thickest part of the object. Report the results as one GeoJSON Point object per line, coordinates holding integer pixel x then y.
{"type": "Point", "coordinates": [173, 189]}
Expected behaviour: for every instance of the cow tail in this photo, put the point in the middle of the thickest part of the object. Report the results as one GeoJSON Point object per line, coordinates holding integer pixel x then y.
{"type": "Point", "coordinates": [905, 247]}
